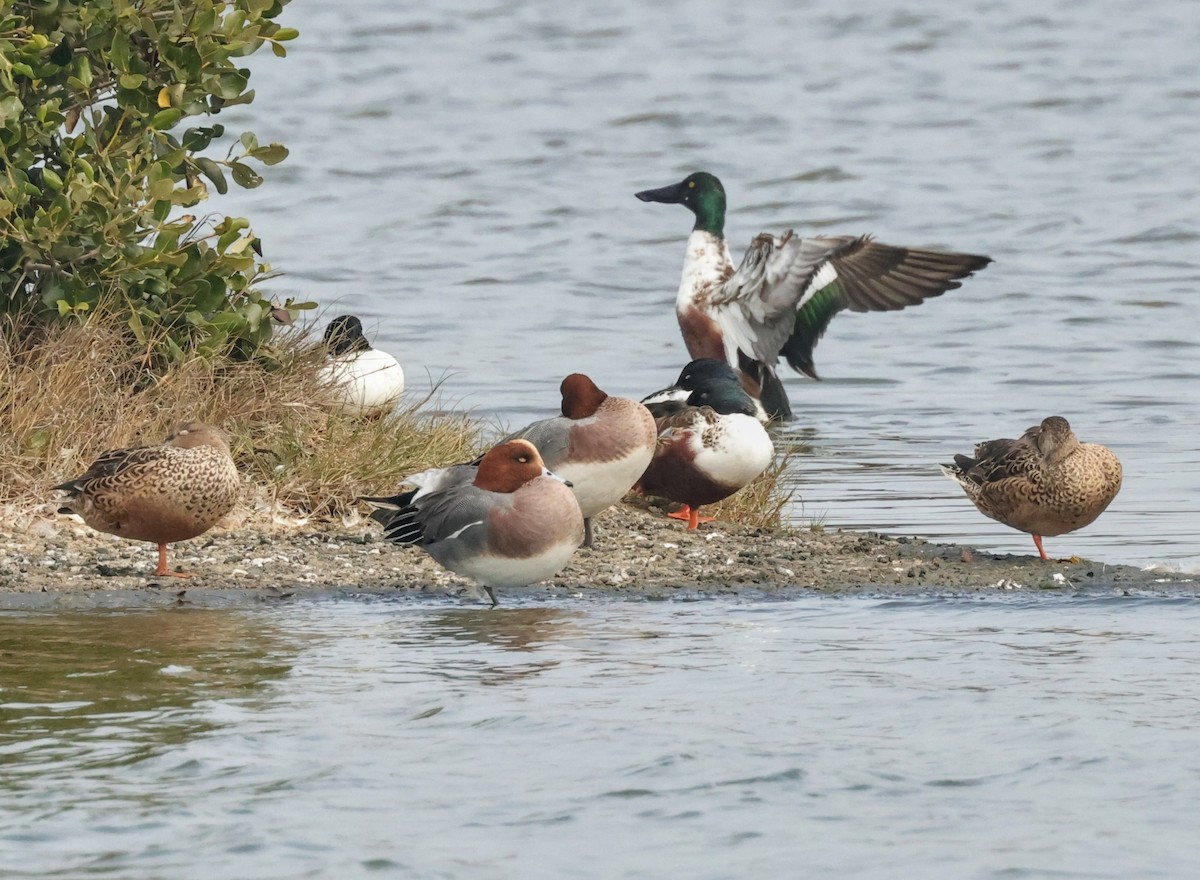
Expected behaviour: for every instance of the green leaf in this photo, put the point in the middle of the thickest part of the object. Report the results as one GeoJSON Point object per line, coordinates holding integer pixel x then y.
{"type": "Point", "coordinates": [244, 175]}
{"type": "Point", "coordinates": [272, 154]}
{"type": "Point", "coordinates": [165, 119]}
{"type": "Point", "coordinates": [213, 172]}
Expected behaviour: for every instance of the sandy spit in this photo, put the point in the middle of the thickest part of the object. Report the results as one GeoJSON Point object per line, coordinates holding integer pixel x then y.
{"type": "Point", "coordinates": [56, 561]}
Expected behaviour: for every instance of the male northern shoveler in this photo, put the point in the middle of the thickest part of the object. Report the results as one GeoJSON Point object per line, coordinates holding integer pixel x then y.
{"type": "Point", "coordinates": [506, 523]}
{"type": "Point", "coordinates": [161, 494]}
{"type": "Point", "coordinates": [1045, 483]}
{"type": "Point", "coordinates": [600, 444]}
{"type": "Point", "coordinates": [710, 445]}
{"type": "Point", "coordinates": [361, 380]}
{"type": "Point", "coordinates": [782, 297]}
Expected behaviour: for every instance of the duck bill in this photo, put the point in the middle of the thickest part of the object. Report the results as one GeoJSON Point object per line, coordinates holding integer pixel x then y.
{"type": "Point", "coordinates": [546, 472]}
{"type": "Point", "coordinates": [670, 195]}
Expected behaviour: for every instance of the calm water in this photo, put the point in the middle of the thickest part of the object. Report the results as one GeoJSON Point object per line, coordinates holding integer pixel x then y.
{"type": "Point", "coordinates": [820, 738]}
{"type": "Point", "coordinates": [463, 177]}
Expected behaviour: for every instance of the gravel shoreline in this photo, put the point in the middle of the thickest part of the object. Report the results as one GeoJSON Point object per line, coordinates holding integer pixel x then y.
{"type": "Point", "coordinates": [58, 561]}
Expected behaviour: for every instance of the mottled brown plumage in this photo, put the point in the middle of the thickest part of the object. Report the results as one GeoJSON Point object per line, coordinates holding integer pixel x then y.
{"type": "Point", "coordinates": [1045, 483]}
{"type": "Point", "coordinates": [161, 494]}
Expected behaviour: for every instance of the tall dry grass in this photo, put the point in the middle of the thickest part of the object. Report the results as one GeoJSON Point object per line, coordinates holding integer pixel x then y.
{"type": "Point", "coordinates": [79, 389]}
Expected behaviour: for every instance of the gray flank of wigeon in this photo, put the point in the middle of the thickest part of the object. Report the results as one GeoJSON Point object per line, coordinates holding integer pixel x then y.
{"type": "Point", "coordinates": [1046, 482]}
{"type": "Point", "coordinates": [710, 445]}
{"type": "Point", "coordinates": [162, 494]}
{"type": "Point", "coordinates": [601, 444]}
{"type": "Point", "coordinates": [358, 379]}
{"type": "Point", "coordinates": [781, 298]}
{"type": "Point", "coordinates": [507, 522]}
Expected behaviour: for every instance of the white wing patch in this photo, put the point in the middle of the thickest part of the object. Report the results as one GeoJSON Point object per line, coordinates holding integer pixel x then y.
{"type": "Point", "coordinates": [825, 276]}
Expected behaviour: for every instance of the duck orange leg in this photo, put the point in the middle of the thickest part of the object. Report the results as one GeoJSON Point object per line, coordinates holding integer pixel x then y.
{"type": "Point", "coordinates": [692, 515]}
{"type": "Point", "coordinates": [162, 570]}
{"type": "Point", "coordinates": [1037, 540]}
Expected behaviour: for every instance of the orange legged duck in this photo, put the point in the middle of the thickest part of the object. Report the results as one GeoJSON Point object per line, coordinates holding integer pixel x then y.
{"type": "Point", "coordinates": [161, 494]}
{"type": "Point", "coordinates": [1045, 482]}
{"type": "Point", "coordinates": [710, 444]}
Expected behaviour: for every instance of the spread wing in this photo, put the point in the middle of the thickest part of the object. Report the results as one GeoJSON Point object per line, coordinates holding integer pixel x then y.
{"type": "Point", "coordinates": [787, 289]}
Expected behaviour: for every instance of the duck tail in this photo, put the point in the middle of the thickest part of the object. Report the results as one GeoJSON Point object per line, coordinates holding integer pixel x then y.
{"type": "Point", "coordinates": [774, 397]}
{"type": "Point", "coordinates": [398, 517]}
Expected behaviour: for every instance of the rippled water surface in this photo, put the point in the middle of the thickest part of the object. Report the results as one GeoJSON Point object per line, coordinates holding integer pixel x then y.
{"type": "Point", "coordinates": [462, 175]}
{"type": "Point", "coordinates": [817, 737]}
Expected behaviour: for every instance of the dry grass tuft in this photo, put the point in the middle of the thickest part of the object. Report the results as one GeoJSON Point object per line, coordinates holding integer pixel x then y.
{"type": "Point", "coordinates": [81, 389]}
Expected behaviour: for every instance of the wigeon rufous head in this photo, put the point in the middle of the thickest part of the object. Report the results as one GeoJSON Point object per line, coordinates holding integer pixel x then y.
{"type": "Point", "coordinates": [507, 522]}
{"type": "Point", "coordinates": [600, 443]}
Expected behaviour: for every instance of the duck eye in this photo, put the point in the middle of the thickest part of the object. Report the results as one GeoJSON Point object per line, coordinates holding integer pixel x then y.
{"type": "Point", "coordinates": [523, 459]}
{"type": "Point", "coordinates": [691, 184]}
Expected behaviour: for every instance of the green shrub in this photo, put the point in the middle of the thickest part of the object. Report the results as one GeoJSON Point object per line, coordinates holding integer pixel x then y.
{"type": "Point", "coordinates": [101, 167]}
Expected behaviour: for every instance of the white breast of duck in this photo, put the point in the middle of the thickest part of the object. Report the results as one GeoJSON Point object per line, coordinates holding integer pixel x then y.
{"type": "Point", "coordinates": [364, 382]}
{"type": "Point", "coordinates": [706, 265]}
{"type": "Point", "coordinates": [731, 449]}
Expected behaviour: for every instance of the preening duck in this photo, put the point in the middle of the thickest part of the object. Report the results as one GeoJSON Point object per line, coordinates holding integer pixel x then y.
{"type": "Point", "coordinates": [1045, 482]}
{"type": "Point", "coordinates": [161, 494]}
{"type": "Point", "coordinates": [360, 379]}
{"type": "Point", "coordinates": [710, 445]}
{"type": "Point", "coordinates": [781, 298]}
{"type": "Point", "coordinates": [507, 522]}
{"type": "Point", "coordinates": [600, 444]}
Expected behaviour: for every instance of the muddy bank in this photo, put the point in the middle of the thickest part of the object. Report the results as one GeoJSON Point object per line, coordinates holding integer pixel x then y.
{"type": "Point", "coordinates": [46, 559]}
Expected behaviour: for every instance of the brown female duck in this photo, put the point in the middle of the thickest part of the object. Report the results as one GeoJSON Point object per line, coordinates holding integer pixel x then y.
{"type": "Point", "coordinates": [1046, 482]}
{"type": "Point", "coordinates": [161, 494]}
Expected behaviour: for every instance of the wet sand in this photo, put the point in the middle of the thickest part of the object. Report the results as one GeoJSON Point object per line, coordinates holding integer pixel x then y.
{"type": "Point", "coordinates": [58, 561]}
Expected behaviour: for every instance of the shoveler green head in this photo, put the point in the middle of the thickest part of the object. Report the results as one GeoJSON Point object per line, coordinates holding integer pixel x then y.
{"type": "Point", "coordinates": [701, 193]}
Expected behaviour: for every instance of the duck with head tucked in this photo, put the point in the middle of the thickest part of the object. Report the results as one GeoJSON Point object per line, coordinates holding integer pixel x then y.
{"type": "Point", "coordinates": [161, 494]}
{"type": "Point", "coordinates": [361, 380]}
{"type": "Point", "coordinates": [1045, 482]}
{"type": "Point", "coordinates": [781, 298]}
{"type": "Point", "coordinates": [600, 444]}
{"type": "Point", "coordinates": [505, 523]}
{"type": "Point", "coordinates": [710, 445]}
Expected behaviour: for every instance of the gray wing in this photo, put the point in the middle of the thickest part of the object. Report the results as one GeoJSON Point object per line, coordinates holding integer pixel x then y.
{"type": "Point", "coordinates": [787, 289]}
{"type": "Point", "coordinates": [552, 437]}
{"type": "Point", "coordinates": [460, 514]}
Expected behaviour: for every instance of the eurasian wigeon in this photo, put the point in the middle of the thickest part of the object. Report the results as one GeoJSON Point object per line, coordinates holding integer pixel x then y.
{"type": "Point", "coordinates": [709, 446]}
{"type": "Point", "coordinates": [1045, 482]}
{"type": "Point", "coordinates": [360, 380]}
{"type": "Point", "coordinates": [507, 522]}
{"type": "Point", "coordinates": [161, 494]}
{"type": "Point", "coordinates": [600, 443]}
{"type": "Point", "coordinates": [782, 297]}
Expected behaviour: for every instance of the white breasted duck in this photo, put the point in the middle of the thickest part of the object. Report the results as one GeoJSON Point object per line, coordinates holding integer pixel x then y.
{"type": "Point", "coordinates": [361, 380]}
{"type": "Point", "coordinates": [1045, 482]}
{"type": "Point", "coordinates": [161, 494]}
{"type": "Point", "coordinates": [601, 444]}
{"type": "Point", "coordinates": [506, 523]}
{"type": "Point", "coordinates": [710, 445]}
{"type": "Point", "coordinates": [781, 298]}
